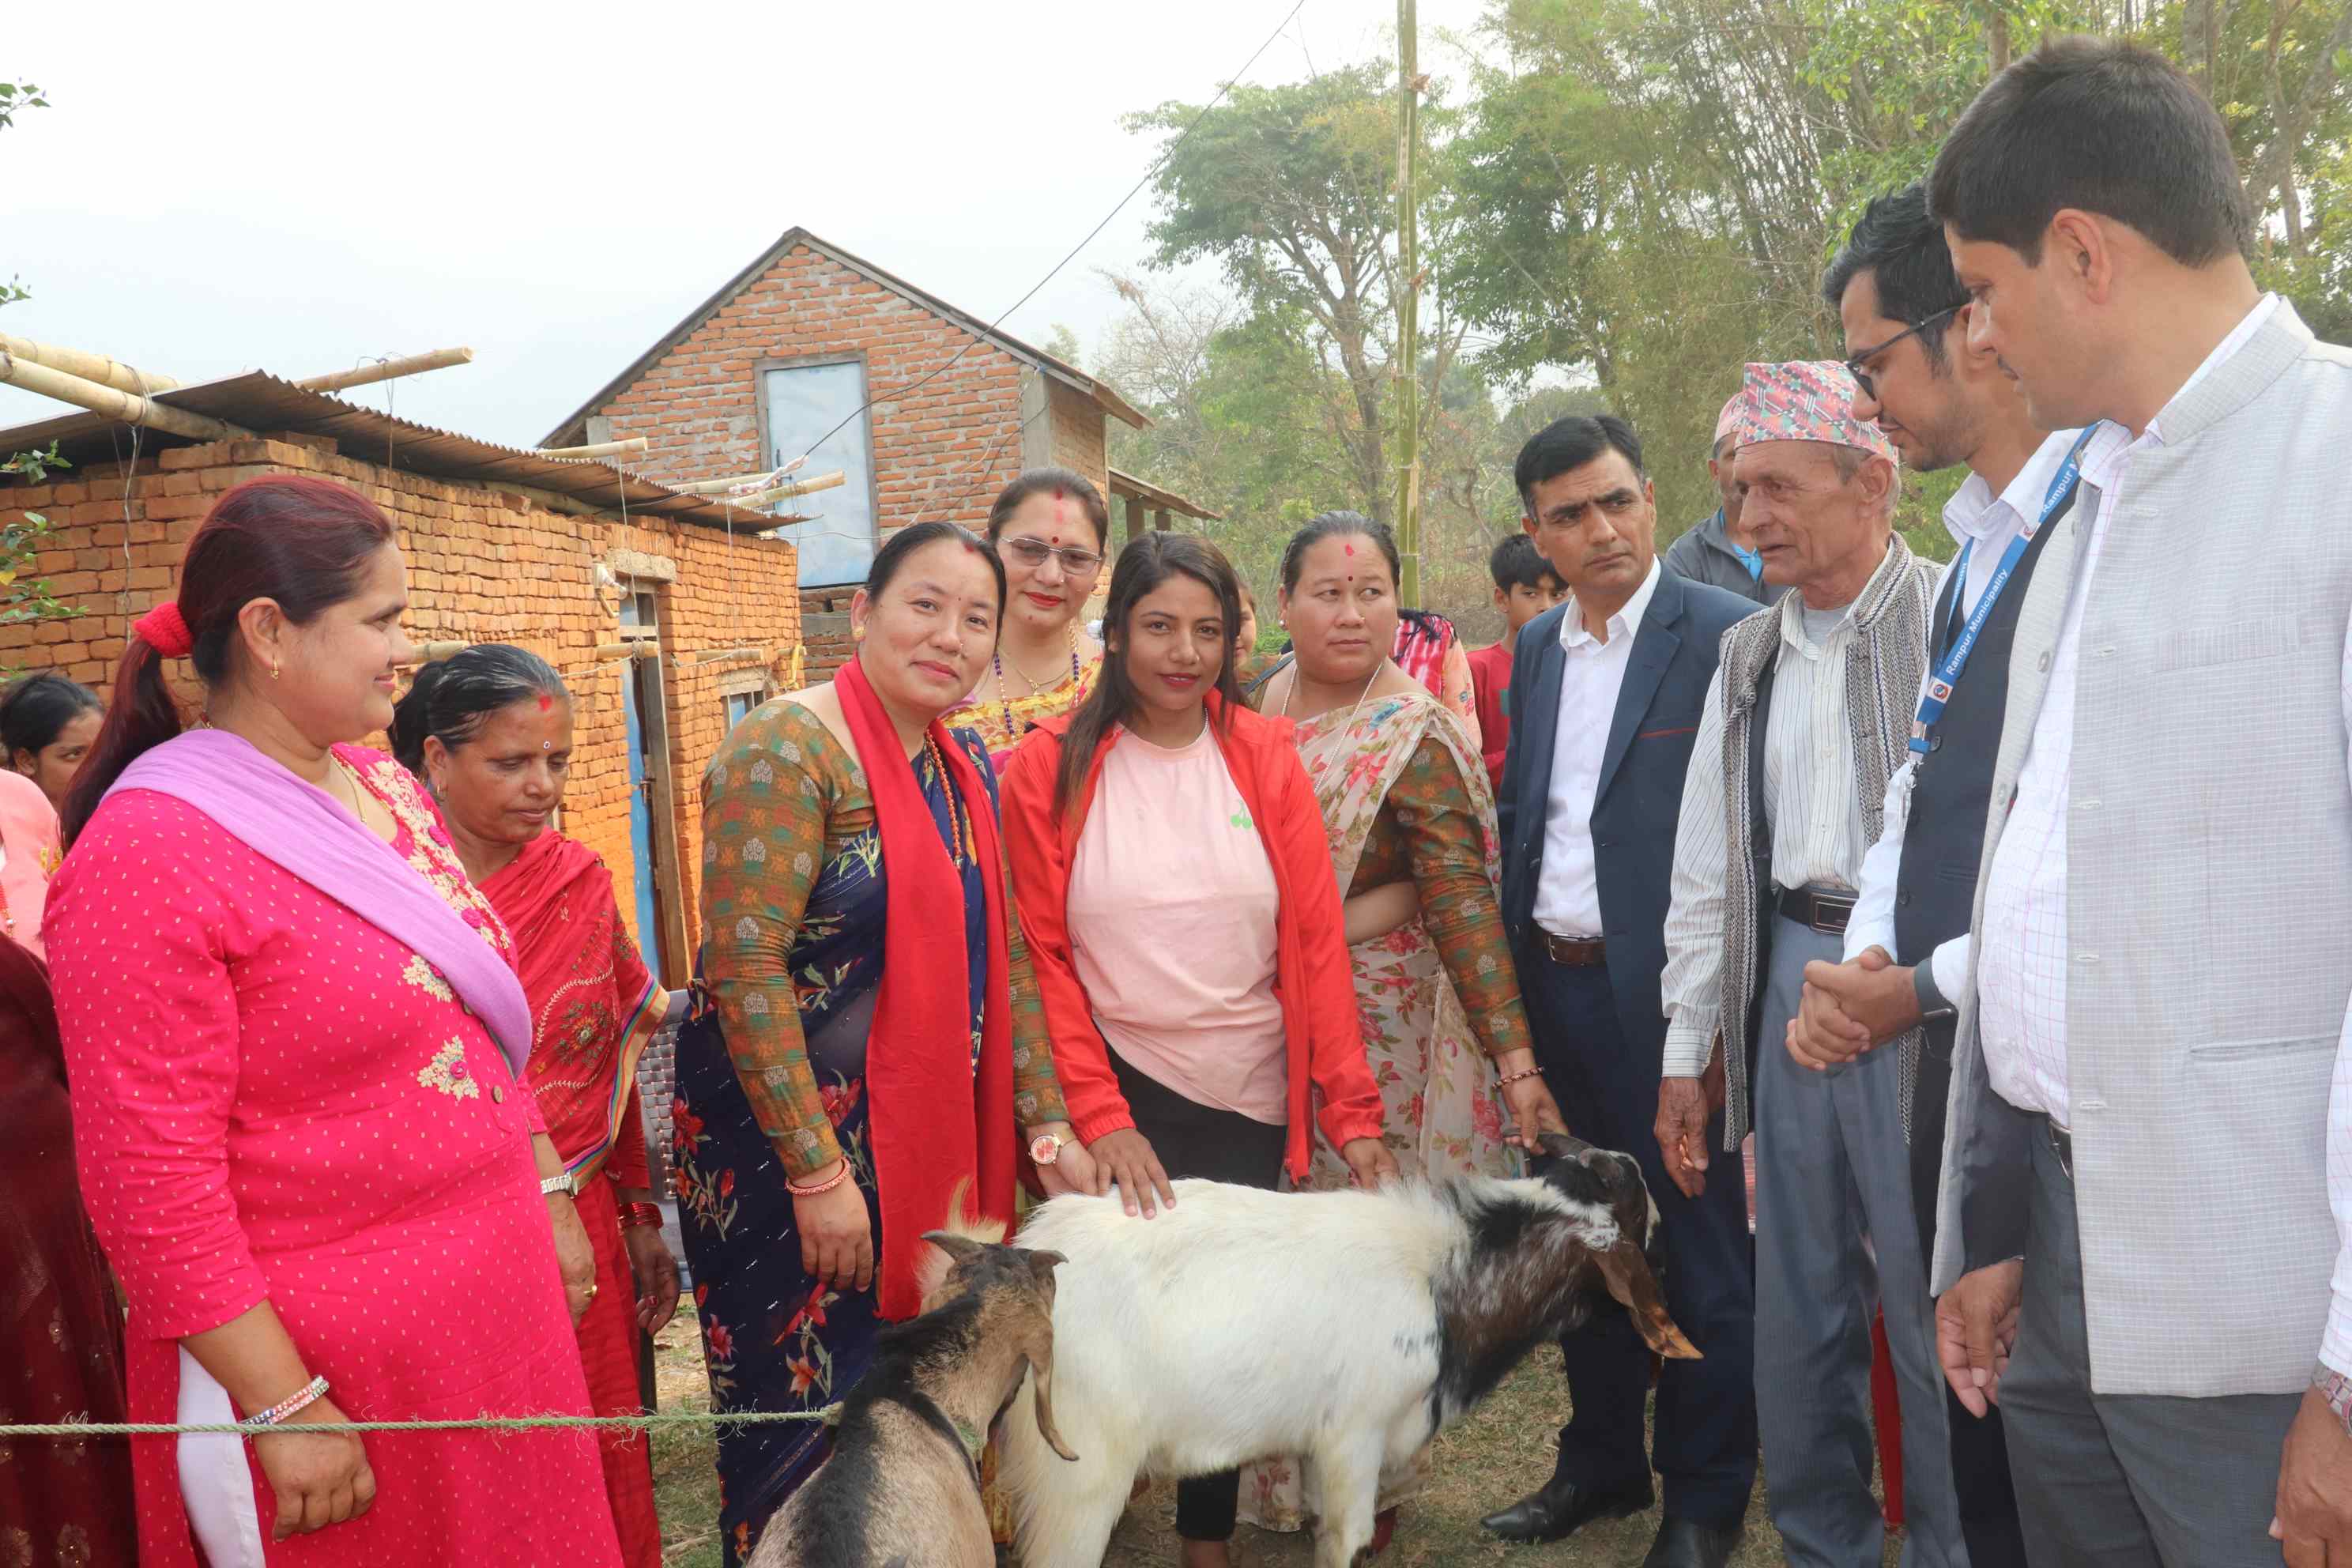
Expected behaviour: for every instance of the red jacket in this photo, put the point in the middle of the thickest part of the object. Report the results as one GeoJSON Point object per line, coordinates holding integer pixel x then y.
{"type": "Point", "coordinates": [1324, 1042]}
{"type": "Point", "coordinates": [1490, 681]}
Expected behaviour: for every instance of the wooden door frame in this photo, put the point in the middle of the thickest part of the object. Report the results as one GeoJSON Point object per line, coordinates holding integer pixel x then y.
{"type": "Point", "coordinates": [653, 716]}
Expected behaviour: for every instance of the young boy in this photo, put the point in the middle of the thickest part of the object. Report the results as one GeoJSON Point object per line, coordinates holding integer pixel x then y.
{"type": "Point", "coordinates": [1525, 587]}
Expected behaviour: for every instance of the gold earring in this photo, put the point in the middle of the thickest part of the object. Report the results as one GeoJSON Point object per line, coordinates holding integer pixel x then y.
{"type": "Point", "coordinates": [276, 670]}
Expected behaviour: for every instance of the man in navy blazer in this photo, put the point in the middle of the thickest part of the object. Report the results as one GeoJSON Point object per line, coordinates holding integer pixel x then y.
{"type": "Point", "coordinates": [1606, 692]}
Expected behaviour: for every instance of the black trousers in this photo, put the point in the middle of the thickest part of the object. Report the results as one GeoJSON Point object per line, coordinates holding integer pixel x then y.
{"type": "Point", "coordinates": [1196, 1140]}
{"type": "Point", "coordinates": [1705, 1442]}
{"type": "Point", "coordinates": [1981, 1477]}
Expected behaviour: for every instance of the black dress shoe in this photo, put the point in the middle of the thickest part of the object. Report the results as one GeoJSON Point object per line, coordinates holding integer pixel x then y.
{"type": "Point", "coordinates": [1562, 1507]}
{"type": "Point", "coordinates": [1687, 1544]}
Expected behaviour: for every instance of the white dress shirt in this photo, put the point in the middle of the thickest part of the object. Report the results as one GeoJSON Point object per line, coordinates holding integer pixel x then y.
{"type": "Point", "coordinates": [1567, 888]}
{"type": "Point", "coordinates": [1819, 836]}
{"type": "Point", "coordinates": [2022, 962]}
{"type": "Point", "coordinates": [1985, 524]}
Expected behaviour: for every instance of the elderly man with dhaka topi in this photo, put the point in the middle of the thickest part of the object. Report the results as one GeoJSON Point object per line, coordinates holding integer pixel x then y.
{"type": "Point", "coordinates": [1806, 719]}
{"type": "Point", "coordinates": [2151, 1094]}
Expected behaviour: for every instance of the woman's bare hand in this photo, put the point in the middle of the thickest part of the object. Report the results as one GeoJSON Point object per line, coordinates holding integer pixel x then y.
{"type": "Point", "coordinates": [1125, 1158]}
{"type": "Point", "coordinates": [836, 1234]}
{"type": "Point", "coordinates": [318, 1477]}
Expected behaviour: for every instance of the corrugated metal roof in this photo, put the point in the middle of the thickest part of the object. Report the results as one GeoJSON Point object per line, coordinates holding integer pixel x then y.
{"type": "Point", "coordinates": [264, 403]}
{"type": "Point", "coordinates": [1106, 396]}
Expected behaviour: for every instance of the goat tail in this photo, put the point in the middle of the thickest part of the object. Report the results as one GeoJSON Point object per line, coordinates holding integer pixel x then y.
{"type": "Point", "coordinates": [1064, 1509]}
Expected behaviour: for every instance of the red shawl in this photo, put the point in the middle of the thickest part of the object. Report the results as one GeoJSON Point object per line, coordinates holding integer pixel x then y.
{"type": "Point", "coordinates": [934, 1128]}
{"type": "Point", "coordinates": [60, 1331]}
{"type": "Point", "coordinates": [593, 1007]}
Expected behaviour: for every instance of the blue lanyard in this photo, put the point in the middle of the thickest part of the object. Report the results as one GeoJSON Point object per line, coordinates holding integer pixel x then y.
{"type": "Point", "coordinates": [1956, 659]}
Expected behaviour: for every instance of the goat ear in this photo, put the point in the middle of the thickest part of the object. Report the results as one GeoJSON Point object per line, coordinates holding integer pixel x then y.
{"type": "Point", "coordinates": [1041, 1265]}
{"type": "Point", "coordinates": [1561, 1146]}
{"type": "Point", "coordinates": [958, 1249]}
{"type": "Point", "coordinates": [1627, 1274]}
{"type": "Point", "coordinates": [1041, 1368]}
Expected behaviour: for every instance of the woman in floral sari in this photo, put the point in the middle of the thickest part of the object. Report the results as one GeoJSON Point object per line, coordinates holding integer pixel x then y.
{"type": "Point", "coordinates": [853, 1059]}
{"type": "Point", "coordinates": [1411, 827]}
{"type": "Point", "coordinates": [489, 731]}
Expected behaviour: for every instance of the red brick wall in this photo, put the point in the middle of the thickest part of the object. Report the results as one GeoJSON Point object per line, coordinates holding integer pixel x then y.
{"type": "Point", "coordinates": [942, 450]}
{"type": "Point", "coordinates": [484, 565]}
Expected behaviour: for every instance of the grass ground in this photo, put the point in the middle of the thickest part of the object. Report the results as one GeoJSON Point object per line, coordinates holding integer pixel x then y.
{"type": "Point", "coordinates": [1503, 1450]}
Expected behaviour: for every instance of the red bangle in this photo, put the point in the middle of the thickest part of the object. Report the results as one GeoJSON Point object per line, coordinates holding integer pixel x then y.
{"type": "Point", "coordinates": [641, 1214]}
{"type": "Point", "coordinates": [840, 1175]}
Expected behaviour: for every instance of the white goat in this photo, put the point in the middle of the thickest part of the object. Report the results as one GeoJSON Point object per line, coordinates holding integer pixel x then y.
{"type": "Point", "coordinates": [1350, 1328]}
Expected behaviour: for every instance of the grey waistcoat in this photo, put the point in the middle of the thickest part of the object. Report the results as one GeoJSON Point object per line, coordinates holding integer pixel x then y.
{"type": "Point", "coordinates": [2208, 889]}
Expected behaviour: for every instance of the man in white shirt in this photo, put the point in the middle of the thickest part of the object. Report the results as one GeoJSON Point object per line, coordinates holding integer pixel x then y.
{"type": "Point", "coordinates": [1802, 727]}
{"type": "Point", "coordinates": [1942, 400]}
{"type": "Point", "coordinates": [1604, 700]}
{"type": "Point", "coordinates": [2141, 1100]}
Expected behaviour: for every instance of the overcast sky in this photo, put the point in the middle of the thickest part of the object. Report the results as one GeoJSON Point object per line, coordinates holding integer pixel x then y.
{"type": "Point", "coordinates": [295, 187]}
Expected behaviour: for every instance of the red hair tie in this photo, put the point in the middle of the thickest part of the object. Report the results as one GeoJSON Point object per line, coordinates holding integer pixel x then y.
{"type": "Point", "coordinates": [165, 630]}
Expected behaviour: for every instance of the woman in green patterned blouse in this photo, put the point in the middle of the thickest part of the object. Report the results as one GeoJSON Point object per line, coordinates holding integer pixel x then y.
{"type": "Point", "coordinates": [1412, 825]}
{"type": "Point", "coordinates": [828, 1105]}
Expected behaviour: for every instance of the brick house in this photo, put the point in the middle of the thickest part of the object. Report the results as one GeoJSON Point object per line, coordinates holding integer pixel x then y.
{"type": "Point", "coordinates": [667, 617]}
{"type": "Point", "coordinates": [927, 409]}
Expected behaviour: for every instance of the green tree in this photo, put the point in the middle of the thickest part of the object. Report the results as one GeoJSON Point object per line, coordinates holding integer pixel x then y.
{"type": "Point", "coordinates": [23, 598]}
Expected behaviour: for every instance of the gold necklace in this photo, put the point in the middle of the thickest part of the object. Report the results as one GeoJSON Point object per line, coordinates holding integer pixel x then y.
{"type": "Point", "coordinates": [1035, 685]}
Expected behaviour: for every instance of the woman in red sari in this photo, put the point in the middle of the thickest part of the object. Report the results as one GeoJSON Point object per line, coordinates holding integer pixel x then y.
{"type": "Point", "coordinates": [489, 731]}
{"type": "Point", "coordinates": [61, 1333]}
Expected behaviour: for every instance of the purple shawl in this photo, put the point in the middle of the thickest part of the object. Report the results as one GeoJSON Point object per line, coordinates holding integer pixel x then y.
{"type": "Point", "coordinates": [286, 821]}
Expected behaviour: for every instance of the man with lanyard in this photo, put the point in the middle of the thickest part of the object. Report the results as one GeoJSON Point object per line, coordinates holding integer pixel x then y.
{"type": "Point", "coordinates": [1941, 400]}
{"type": "Point", "coordinates": [1710, 551]}
{"type": "Point", "coordinates": [1804, 725]}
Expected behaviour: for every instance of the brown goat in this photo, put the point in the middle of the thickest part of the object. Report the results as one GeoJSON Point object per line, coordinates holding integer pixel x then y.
{"type": "Point", "coordinates": [901, 1488]}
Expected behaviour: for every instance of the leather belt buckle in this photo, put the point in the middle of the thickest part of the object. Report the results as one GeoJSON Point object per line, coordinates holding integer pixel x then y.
{"type": "Point", "coordinates": [1828, 914]}
{"type": "Point", "coordinates": [1575, 952]}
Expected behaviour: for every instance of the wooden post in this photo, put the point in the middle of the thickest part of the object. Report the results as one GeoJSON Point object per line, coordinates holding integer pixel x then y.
{"type": "Point", "coordinates": [384, 370]}
{"type": "Point", "coordinates": [90, 367]}
{"type": "Point", "coordinates": [127, 407]}
{"type": "Point", "coordinates": [1138, 518]}
{"type": "Point", "coordinates": [1408, 304]}
{"type": "Point", "coordinates": [1160, 520]}
{"type": "Point", "coordinates": [601, 449]}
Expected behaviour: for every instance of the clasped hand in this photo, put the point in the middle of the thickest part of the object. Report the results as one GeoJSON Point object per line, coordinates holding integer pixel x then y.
{"type": "Point", "coordinates": [1850, 1008]}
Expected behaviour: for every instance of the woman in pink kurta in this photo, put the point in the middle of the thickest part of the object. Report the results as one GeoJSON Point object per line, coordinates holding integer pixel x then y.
{"type": "Point", "coordinates": [289, 1021]}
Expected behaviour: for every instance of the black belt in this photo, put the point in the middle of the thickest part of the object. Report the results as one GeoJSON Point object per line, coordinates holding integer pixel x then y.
{"type": "Point", "coordinates": [2062, 1143]}
{"type": "Point", "coordinates": [1826, 912]}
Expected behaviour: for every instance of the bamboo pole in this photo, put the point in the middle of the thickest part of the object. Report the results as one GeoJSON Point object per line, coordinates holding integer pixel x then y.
{"type": "Point", "coordinates": [601, 449]}
{"type": "Point", "coordinates": [719, 655]}
{"type": "Point", "coordinates": [713, 487]}
{"type": "Point", "coordinates": [832, 481]}
{"type": "Point", "coordinates": [367, 375]}
{"type": "Point", "coordinates": [642, 647]}
{"type": "Point", "coordinates": [89, 367]}
{"type": "Point", "coordinates": [112, 402]}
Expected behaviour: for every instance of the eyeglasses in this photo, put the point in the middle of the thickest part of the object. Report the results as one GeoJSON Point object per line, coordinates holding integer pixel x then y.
{"type": "Point", "coordinates": [1862, 377]}
{"type": "Point", "coordinates": [1033, 553]}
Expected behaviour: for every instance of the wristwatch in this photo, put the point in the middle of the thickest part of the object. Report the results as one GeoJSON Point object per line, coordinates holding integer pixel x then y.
{"type": "Point", "coordinates": [1933, 1007]}
{"type": "Point", "coordinates": [550, 1185]}
{"type": "Point", "coordinates": [1046, 1147]}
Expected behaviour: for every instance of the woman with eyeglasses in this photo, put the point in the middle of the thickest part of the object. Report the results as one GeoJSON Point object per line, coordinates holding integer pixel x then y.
{"type": "Point", "coordinates": [1051, 526]}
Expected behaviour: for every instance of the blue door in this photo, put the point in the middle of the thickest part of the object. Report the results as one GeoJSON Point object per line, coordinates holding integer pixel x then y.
{"type": "Point", "coordinates": [641, 822]}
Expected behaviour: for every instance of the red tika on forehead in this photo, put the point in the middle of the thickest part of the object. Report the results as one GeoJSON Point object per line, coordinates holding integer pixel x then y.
{"type": "Point", "coordinates": [1347, 547]}
{"type": "Point", "coordinates": [545, 702]}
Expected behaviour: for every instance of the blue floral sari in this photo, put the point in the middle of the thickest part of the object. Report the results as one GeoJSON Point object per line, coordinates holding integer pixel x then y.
{"type": "Point", "coordinates": [773, 1338]}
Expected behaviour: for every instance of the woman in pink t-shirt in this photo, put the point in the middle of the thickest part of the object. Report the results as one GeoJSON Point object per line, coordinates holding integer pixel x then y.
{"type": "Point", "coordinates": [1175, 888]}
